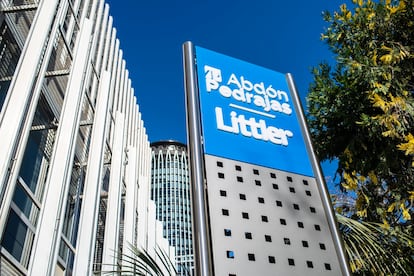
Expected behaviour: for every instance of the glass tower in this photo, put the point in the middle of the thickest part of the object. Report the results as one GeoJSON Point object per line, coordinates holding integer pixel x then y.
{"type": "Point", "coordinates": [170, 189]}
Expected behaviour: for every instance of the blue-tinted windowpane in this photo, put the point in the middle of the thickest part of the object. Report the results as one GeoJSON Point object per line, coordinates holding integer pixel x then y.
{"type": "Point", "coordinates": [14, 235]}
{"type": "Point", "coordinates": [32, 160]}
{"type": "Point", "coordinates": [4, 86]}
{"type": "Point", "coordinates": [22, 200]}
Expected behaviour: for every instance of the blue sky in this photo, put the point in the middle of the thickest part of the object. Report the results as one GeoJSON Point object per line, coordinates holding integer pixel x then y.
{"type": "Point", "coordinates": [281, 35]}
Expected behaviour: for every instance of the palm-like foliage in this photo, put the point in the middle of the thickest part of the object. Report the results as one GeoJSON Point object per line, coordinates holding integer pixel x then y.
{"type": "Point", "coordinates": [140, 262]}
{"type": "Point", "coordinates": [371, 248]}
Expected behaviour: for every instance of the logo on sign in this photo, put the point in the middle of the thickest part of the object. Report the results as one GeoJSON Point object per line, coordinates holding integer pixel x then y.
{"type": "Point", "coordinates": [261, 99]}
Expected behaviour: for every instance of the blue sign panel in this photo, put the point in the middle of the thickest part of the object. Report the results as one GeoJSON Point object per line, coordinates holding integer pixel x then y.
{"type": "Point", "coordinates": [248, 114]}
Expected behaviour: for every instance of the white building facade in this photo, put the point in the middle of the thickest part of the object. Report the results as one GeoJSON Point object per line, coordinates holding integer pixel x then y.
{"type": "Point", "coordinates": [75, 157]}
{"type": "Point", "coordinates": [170, 190]}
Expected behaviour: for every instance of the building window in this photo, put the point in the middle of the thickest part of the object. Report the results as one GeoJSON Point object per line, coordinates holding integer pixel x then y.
{"type": "Point", "coordinates": [238, 168]}
{"type": "Point", "coordinates": [312, 209]}
{"type": "Point", "coordinates": [219, 164]}
{"type": "Point", "coordinates": [275, 186]}
{"type": "Point", "coordinates": [225, 212]}
{"type": "Point", "coordinates": [230, 254]}
{"type": "Point", "coordinates": [242, 196]}
{"type": "Point", "coordinates": [295, 206]}
{"type": "Point", "coordinates": [264, 219]}
{"type": "Point", "coordinates": [309, 264]}
{"type": "Point", "coordinates": [268, 238]}
{"type": "Point", "coordinates": [300, 224]}
{"type": "Point", "coordinates": [278, 203]}
{"type": "Point", "coordinates": [305, 244]}
{"type": "Point", "coordinates": [282, 221]}
{"type": "Point", "coordinates": [223, 193]}
{"type": "Point", "coordinates": [14, 235]}
{"type": "Point", "coordinates": [327, 266]}
{"type": "Point", "coordinates": [286, 241]}
{"type": "Point", "coordinates": [258, 183]}
{"type": "Point", "coordinates": [251, 257]}
{"type": "Point", "coordinates": [289, 178]}
{"type": "Point", "coordinates": [322, 246]}
{"type": "Point", "coordinates": [305, 182]}
{"type": "Point", "coordinates": [260, 199]}
{"type": "Point", "coordinates": [308, 193]}
{"type": "Point", "coordinates": [220, 175]}
{"type": "Point", "coordinates": [245, 215]}
{"type": "Point", "coordinates": [239, 179]}
{"type": "Point", "coordinates": [248, 235]}
{"type": "Point", "coordinates": [292, 190]}
{"type": "Point", "coordinates": [227, 232]}
{"type": "Point", "coordinates": [272, 259]}
{"type": "Point", "coordinates": [317, 227]}
{"type": "Point", "coordinates": [272, 175]}
{"type": "Point", "coordinates": [255, 171]}
{"type": "Point", "coordinates": [291, 262]}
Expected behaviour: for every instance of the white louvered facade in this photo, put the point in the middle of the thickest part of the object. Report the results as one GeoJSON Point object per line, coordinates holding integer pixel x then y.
{"type": "Point", "coordinates": [75, 158]}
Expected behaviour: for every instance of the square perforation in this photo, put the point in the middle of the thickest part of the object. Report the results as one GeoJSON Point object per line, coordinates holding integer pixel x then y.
{"type": "Point", "coordinates": [280, 224]}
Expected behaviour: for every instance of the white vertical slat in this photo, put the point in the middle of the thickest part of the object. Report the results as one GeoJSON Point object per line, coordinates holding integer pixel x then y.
{"type": "Point", "coordinates": [20, 90]}
{"type": "Point", "coordinates": [112, 222]}
{"type": "Point", "coordinates": [129, 216]}
{"type": "Point", "coordinates": [90, 204]}
{"type": "Point", "coordinates": [44, 249]}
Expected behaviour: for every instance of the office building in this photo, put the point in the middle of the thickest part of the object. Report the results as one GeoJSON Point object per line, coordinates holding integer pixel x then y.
{"type": "Point", "coordinates": [75, 157]}
{"type": "Point", "coordinates": [170, 189]}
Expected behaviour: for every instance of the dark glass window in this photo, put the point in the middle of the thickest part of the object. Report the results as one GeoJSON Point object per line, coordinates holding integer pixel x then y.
{"type": "Point", "coordinates": [220, 164]}
{"type": "Point", "coordinates": [300, 224]}
{"type": "Point", "coordinates": [225, 212]}
{"type": "Point", "coordinates": [286, 241]}
{"type": "Point", "coordinates": [227, 232]}
{"type": "Point", "coordinates": [327, 266]}
{"type": "Point", "coordinates": [291, 262]}
{"type": "Point", "coordinates": [220, 175]}
{"type": "Point", "coordinates": [322, 246]}
{"type": "Point", "coordinates": [245, 215]}
{"type": "Point", "coordinates": [272, 259]}
{"type": "Point", "coordinates": [292, 190]}
{"type": "Point", "coordinates": [242, 196]}
{"type": "Point", "coordinates": [305, 182]}
{"type": "Point", "coordinates": [260, 199]}
{"type": "Point", "coordinates": [230, 254]}
{"type": "Point", "coordinates": [238, 168]}
{"type": "Point", "coordinates": [309, 264]}
{"type": "Point", "coordinates": [268, 238]}
{"type": "Point", "coordinates": [295, 206]}
{"type": "Point", "coordinates": [272, 175]}
{"type": "Point", "coordinates": [283, 221]}
{"type": "Point", "coordinates": [14, 235]}
{"type": "Point", "coordinates": [248, 235]}
{"type": "Point", "coordinates": [312, 209]}
{"type": "Point", "coordinates": [289, 178]}
{"type": "Point", "coordinates": [317, 227]}
{"type": "Point", "coordinates": [256, 171]}
{"type": "Point", "coordinates": [308, 193]}
{"type": "Point", "coordinates": [264, 219]}
{"type": "Point", "coordinates": [240, 179]}
{"type": "Point", "coordinates": [305, 244]}
{"type": "Point", "coordinates": [251, 257]}
{"type": "Point", "coordinates": [258, 183]}
{"type": "Point", "coordinates": [275, 186]}
{"type": "Point", "coordinates": [223, 193]}
{"type": "Point", "coordinates": [278, 203]}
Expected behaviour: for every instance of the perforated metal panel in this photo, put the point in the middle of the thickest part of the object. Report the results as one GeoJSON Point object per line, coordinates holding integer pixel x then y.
{"type": "Point", "coordinates": [266, 222]}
